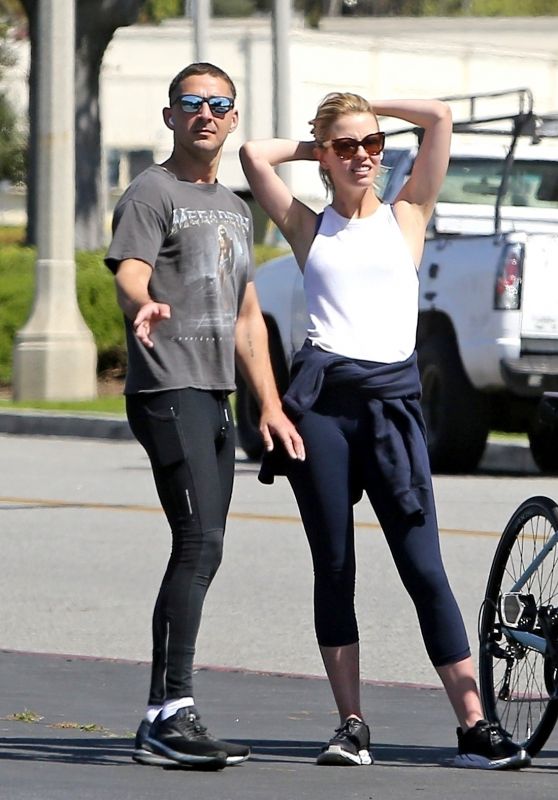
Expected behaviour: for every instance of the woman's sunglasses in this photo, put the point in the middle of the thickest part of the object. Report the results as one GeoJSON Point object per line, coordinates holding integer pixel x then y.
{"type": "Point", "coordinates": [346, 147]}
{"type": "Point", "coordinates": [191, 103]}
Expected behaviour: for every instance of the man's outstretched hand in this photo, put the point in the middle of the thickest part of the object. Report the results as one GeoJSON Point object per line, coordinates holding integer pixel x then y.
{"type": "Point", "coordinates": [147, 318]}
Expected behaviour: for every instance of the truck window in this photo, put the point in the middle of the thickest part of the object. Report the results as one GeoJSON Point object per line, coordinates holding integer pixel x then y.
{"type": "Point", "coordinates": [532, 184]}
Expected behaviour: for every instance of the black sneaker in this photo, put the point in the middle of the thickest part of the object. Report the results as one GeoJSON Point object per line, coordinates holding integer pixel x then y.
{"type": "Point", "coordinates": [183, 738]}
{"type": "Point", "coordinates": [484, 746]}
{"type": "Point", "coordinates": [143, 752]}
{"type": "Point", "coordinates": [349, 747]}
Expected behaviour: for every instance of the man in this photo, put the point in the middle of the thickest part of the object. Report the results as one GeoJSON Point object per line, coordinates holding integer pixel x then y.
{"type": "Point", "coordinates": [187, 315]}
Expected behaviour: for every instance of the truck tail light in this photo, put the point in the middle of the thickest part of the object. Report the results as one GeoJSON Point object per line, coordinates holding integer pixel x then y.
{"type": "Point", "coordinates": [507, 290]}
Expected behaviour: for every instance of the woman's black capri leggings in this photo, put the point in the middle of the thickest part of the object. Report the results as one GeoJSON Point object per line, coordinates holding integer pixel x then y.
{"type": "Point", "coordinates": [337, 439]}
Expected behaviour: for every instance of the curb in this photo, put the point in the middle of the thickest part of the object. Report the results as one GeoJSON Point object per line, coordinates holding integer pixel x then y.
{"type": "Point", "coordinates": [57, 423]}
{"type": "Point", "coordinates": [499, 456]}
{"type": "Point", "coordinates": [509, 457]}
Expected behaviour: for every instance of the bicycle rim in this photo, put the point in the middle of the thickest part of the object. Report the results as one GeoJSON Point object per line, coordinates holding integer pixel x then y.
{"type": "Point", "coordinates": [518, 683]}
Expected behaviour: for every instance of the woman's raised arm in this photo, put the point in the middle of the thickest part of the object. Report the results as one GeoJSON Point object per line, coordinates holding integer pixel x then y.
{"type": "Point", "coordinates": [294, 219]}
{"type": "Point", "coordinates": [431, 163]}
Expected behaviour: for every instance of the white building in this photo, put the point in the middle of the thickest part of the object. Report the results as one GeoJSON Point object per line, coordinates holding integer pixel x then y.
{"type": "Point", "coordinates": [377, 57]}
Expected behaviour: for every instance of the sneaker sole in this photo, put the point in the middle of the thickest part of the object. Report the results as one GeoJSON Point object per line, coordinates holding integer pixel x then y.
{"type": "Point", "coordinates": [335, 756]}
{"type": "Point", "coordinates": [151, 759]}
{"type": "Point", "coordinates": [232, 760]}
{"type": "Point", "coordinates": [206, 766]}
{"type": "Point", "coordinates": [473, 761]}
{"type": "Point", "coordinates": [219, 759]}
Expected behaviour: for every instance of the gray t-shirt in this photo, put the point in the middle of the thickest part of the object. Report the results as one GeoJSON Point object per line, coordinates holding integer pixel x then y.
{"type": "Point", "coordinates": [198, 239]}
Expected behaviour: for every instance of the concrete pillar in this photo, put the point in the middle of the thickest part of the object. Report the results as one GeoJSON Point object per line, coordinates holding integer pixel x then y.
{"type": "Point", "coordinates": [202, 14]}
{"type": "Point", "coordinates": [55, 356]}
{"type": "Point", "coordinates": [281, 18]}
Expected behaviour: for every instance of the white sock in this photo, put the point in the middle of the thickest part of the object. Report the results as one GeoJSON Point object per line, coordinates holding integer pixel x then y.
{"type": "Point", "coordinates": [171, 706]}
{"type": "Point", "coordinates": [152, 712]}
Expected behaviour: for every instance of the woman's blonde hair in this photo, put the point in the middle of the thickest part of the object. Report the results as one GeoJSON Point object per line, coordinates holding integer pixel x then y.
{"type": "Point", "coordinates": [333, 106]}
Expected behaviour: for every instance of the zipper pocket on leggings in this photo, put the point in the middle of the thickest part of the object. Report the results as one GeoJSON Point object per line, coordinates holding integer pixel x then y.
{"type": "Point", "coordinates": [166, 436]}
{"type": "Point", "coordinates": [225, 420]}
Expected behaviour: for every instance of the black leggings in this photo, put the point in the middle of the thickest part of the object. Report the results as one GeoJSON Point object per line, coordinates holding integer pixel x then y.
{"type": "Point", "coordinates": [190, 443]}
{"type": "Point", "coordinates": [337, 439]}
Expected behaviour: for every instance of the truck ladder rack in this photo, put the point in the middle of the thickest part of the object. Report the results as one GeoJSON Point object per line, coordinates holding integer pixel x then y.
{"type": "Point", "coordinates": [479, 114]}
{"type": "Point", "coordinates": [520, 118]}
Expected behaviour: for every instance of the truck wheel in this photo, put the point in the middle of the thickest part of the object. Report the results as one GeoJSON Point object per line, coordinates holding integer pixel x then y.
{"type": "Point", "coordinates": [247, 409]}
{"type": "Point", "coordinates": [543, 441]}
{"type": "Point", "coordinates": [455, 413]}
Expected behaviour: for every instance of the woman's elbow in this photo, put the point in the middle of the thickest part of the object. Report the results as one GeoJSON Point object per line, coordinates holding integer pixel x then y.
{"type": "Point", "coordinates": [443, 111]}
{"type": "Point", "coordinates": [247, 153]}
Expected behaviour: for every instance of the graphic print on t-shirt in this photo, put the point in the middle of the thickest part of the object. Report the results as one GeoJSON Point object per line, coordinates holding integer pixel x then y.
{"type": "Point", "coordinates": [211, 247]}
{"type": "Point", "coordinates": [225, 266]}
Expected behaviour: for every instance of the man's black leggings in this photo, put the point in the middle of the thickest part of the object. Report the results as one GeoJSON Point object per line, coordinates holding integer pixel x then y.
{"type": "Point", "coordinates": [190, 443]}
{"type": "Point", "coordinates": [338, 439]}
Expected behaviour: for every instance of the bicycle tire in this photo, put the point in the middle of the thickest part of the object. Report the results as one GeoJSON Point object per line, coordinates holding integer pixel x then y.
{"type": "Point", "coordinates": [517, 683]}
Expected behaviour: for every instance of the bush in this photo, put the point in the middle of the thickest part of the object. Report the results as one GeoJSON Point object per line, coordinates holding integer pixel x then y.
{"type": "Point", "coordinates": [96, 298]}
{"type": "Point", "coordinates": [12, 234]}
{"type": "Point", "coordinates": [233, 8]}
{"type": "Point", "coordinates": [482, 8]}
{"type": "Point", "coordinates": [97, 301]}
{"type": "Point", "coordinates": [158, 10]}
{"type": "Point", "coordinates": [265, 252]}
{"type": "Point", "coordinates": [514, 8]}
{"type": "Point", "coordinates": [16, 296]}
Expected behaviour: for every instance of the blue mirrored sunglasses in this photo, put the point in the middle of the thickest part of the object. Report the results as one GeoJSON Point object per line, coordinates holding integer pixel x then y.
{"type": "Point", "coordinates": [191, 103]}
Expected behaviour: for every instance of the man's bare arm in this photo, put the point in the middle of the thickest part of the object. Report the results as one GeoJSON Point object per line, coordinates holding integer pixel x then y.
{"type": "Point", "coordinates": [132, 291]}
{"type": "Point", "coordinates": [253, 360]}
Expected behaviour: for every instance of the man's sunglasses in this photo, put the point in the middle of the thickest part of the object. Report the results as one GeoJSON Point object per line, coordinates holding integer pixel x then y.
{"type": "Point", "coordinates": [346, 147]}
{"type": "Point", "coordinates": [191, 103]}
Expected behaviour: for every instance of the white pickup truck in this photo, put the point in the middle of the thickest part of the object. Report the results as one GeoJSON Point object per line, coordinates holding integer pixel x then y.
{"type": "Point", "coordinates": [487, 338]}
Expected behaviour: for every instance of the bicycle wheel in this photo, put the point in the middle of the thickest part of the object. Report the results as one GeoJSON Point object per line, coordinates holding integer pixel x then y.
{"type": "Point", "coordinates": [518, 682]}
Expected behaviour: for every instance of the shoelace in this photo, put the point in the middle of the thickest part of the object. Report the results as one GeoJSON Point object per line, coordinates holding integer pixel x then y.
{"type": "Point", "coordinates": [194, 725]}
{"type": "Point", "coordinates": [345, 730]}
{"type": "Point", "coordinates": [495, 733]}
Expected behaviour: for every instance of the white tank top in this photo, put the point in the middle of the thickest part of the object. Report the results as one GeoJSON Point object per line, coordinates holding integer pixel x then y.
{"type": "Point", "coordinates": [361, 288]}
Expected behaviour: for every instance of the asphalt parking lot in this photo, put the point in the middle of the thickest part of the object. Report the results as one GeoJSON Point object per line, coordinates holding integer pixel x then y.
{"type": "Point", "coordinates": [81, 563]}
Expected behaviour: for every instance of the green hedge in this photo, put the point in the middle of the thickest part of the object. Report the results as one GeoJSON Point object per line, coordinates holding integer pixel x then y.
{"type": "Point", "coordinates": [16, 296]}
{"type": "Point", "coordinates": [233, 8]}
{"type": "Point", "coordinates": [474, 8]}
{"type": "Point", "coordinates": [95, 289]}
{"type": "Point", "coordinates": [97, 301]}
{"type": "Point", "coordinates": [96, 298]}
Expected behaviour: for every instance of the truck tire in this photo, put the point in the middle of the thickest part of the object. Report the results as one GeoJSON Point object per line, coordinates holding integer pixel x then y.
{"type": "Point", "coordinates": [543, 441]}
{"type": "Point", "coordinates": [456, 414]}
{"type": "Point", "coordinates": [247, 409]}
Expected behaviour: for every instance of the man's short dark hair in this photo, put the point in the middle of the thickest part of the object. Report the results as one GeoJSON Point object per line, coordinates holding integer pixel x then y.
{"type": "Point", "coordinates": [199, 68]}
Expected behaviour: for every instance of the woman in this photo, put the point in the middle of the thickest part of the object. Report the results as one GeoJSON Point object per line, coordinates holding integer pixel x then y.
{"type": "Point", "coordinates": [355, 392]}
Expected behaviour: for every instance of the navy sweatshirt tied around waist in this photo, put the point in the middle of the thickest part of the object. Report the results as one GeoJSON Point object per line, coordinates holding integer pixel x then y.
{"type": "Point", "coordinates": [391, 395]}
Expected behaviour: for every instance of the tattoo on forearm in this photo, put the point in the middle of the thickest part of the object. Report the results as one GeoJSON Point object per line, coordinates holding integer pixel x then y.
{"type": "Point", "coordinates": [250, 346]}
